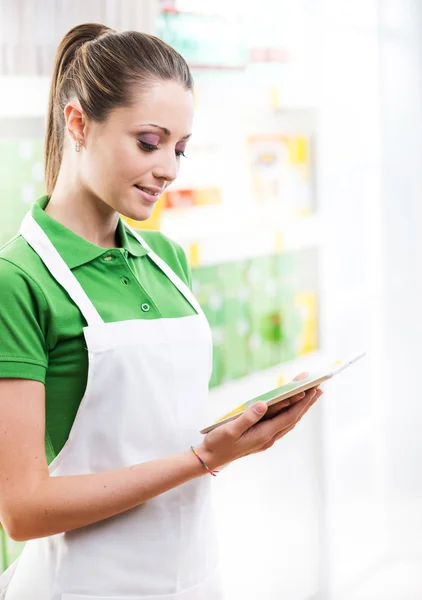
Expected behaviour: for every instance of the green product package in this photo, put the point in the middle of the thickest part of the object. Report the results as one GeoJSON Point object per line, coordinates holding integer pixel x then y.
{"type": "Point", "coordinates": [209, 293]}
{"type": "Point", "coordinates": [218, 364]}
{"type": "Point", "coordinates": [257, 309]}
{"type": "Point", "coordinates": [237, 319]}
{"type": "Point", "coordinates": [237, 355]}
{"type": "Point", "coordinates": [266, 323]}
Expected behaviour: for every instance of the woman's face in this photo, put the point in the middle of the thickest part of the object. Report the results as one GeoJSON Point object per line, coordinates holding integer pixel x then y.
{"type": "Point", "coordinates": [130, 159]}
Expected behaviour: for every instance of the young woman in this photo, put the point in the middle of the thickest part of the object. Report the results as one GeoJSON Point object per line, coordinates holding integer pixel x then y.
{"type": "Point", "coordinates": [105, 355]}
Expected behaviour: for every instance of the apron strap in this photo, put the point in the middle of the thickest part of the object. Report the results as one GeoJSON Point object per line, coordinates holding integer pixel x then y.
{"type": "Point", "coordinates": [175, 279]}
{"type": "Point", "coordinates": [38, 240]}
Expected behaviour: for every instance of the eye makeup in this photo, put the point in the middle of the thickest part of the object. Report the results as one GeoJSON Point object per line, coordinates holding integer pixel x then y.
{"type": "Point", "coordinates": [149, 142]}
{"type": "Point", "coordinates": [180, 149]}
{"type": "Point", "coordinates": [152, 139]}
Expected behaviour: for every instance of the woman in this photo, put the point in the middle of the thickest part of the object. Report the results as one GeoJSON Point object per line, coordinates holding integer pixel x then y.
{"type": "Point", "coordinates": [105, 353]}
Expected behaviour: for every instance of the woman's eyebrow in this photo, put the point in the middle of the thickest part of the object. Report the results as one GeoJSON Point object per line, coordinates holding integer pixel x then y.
{"type": "Point", "coordinates": [167, 131]}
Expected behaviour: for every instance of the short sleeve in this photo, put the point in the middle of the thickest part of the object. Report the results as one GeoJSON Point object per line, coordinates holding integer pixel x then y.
{"type": "Point", "coordinates": [23, 325]}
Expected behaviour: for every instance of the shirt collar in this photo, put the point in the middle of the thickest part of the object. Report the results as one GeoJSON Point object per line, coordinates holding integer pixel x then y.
{"type": "Point", "coordinates": [74, 249]}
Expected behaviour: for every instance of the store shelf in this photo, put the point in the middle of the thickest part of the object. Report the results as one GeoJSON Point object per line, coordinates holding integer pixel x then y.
{"type": "Point", "coordinates": [23, 97]}
{"type": "Point", "coordinates": [211, 236]}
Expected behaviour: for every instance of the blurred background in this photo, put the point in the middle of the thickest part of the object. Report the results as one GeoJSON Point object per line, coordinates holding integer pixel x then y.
{"type": "Point", "coordinates": [300, 209]}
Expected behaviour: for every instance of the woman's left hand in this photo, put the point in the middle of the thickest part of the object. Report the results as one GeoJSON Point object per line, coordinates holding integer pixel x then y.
{"type": "Point", "coordinates": [277, 408]}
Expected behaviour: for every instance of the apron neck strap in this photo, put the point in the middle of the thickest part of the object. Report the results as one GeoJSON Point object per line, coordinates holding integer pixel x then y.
{"type": "Point", "coordinates": [38, 240]}
{"type": "Point", "coordinates": [40, 243]}
{"type": "Point", "coordinates": [175, 279]}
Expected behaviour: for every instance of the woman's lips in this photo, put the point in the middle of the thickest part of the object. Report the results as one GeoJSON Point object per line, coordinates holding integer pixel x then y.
{"type": "Point", "coordinates": [147, 194]}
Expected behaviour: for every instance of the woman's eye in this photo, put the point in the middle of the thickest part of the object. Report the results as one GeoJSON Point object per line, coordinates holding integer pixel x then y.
{"type": "Point", "coordinates": [147, 147]}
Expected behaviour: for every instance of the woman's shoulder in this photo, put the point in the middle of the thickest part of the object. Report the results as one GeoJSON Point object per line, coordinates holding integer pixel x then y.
{"type": "Point", "coordinates": [16, 256]}
{"type": "Point", "coordinates": [21, 273]}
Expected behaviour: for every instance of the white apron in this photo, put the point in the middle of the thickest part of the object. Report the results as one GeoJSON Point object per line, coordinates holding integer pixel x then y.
{"type": "Point", "coordinates": [145, 399]}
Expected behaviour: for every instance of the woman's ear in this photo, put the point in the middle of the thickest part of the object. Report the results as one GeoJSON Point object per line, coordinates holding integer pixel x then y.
{"type": "Point", "coordinates": [75, 122]}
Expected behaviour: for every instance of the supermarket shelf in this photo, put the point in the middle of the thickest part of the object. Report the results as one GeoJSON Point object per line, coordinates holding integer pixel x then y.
{"type": "Point", "coordinates": [238, 247]}
{"type": "Point", "coordinates": [210, 238]}
{"type": "Point", "coordinates": [23, 97]}
{"type": "Point", "coordinates": [205, 222]}
{"type": "Point", "coordinates": [230, 394]}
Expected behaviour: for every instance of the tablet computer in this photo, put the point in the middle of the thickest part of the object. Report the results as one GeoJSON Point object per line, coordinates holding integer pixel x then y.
{"type": "Point", "coordinates": [287, 390]}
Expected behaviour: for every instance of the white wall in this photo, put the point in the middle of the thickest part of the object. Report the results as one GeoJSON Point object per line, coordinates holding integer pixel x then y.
{"type": "Point", "coordinates": [349, 192]}
{"type": "Point", "coordinates": [401, 91]}
{"type": "Point", "coordinates": [370, 183]}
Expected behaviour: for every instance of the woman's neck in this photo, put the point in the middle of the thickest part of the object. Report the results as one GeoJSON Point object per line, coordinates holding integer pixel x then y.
{"type": "Point", "coordinates": [85, 215]}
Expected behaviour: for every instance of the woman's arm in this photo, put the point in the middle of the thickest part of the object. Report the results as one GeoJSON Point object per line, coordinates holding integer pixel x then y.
{"type": "Point", "coordinates": [33, 504]}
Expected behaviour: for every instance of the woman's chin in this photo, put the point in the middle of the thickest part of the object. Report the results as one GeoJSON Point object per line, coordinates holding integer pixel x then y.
{"type": "Point", "coordinates": [137, 213]}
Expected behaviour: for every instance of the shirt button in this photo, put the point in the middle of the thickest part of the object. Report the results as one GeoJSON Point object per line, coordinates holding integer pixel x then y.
{"type": "Point", "coordinates": [146, 307]}
{"type": "Point", "coordinates": [108, 258]}
{"type": "Point", "coordinates": [124, 280]}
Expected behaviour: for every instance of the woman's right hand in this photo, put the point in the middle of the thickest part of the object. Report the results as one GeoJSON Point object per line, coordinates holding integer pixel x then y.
{"type": "Point", "coordinates": [248, 433]}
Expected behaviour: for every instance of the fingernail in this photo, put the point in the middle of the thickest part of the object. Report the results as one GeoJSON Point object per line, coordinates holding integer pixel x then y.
{"type": "Point", "coordinates": [260, 408]}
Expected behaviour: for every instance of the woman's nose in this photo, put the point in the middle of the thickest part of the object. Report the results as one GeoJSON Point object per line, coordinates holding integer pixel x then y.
{"type": "Point", "coordinates": [168, 166]}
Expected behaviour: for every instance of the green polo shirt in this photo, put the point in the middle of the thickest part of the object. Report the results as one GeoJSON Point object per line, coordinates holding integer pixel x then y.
{"type": "Point", "coordinates": [41, 335]}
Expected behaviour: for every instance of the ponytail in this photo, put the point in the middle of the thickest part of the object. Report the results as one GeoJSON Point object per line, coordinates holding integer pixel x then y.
{"type": "Point", "coordinates": [65, 56]}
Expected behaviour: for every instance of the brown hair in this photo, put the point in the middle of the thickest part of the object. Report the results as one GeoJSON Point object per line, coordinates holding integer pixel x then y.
{"type": "Point", "coordinates": [98, 66]}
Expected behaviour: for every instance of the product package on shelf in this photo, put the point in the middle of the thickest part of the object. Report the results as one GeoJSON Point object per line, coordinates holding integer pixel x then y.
{"type": "Point", "coordinates": [185, 198]}
{"type": "Point", "coordinates": [262, 311]}
{"type": "Point", "coordinates": [237, 320]}
{"type": "Point", "coordinates": [306, 304]}
{"type": "Point", "coordinates": [298, 292]}
{"type": "Point", "coordinates": [281, 173]}
{"type": "Point", "coordinates": [22, 181]}
{"type": "Point", "coordinates": [193, 35]}
{"type": "Point", "coordinates": [265, 335]}
{"type": "Point", "coordinates": [206, 287]}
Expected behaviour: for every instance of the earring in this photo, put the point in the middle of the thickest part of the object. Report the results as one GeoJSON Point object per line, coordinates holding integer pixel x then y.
{"type": "Point", "coordinates": [78, 146]}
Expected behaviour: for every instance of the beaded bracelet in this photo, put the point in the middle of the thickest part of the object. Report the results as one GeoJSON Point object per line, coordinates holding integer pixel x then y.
{"type": "Point", "coordinates": [203, 463]}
